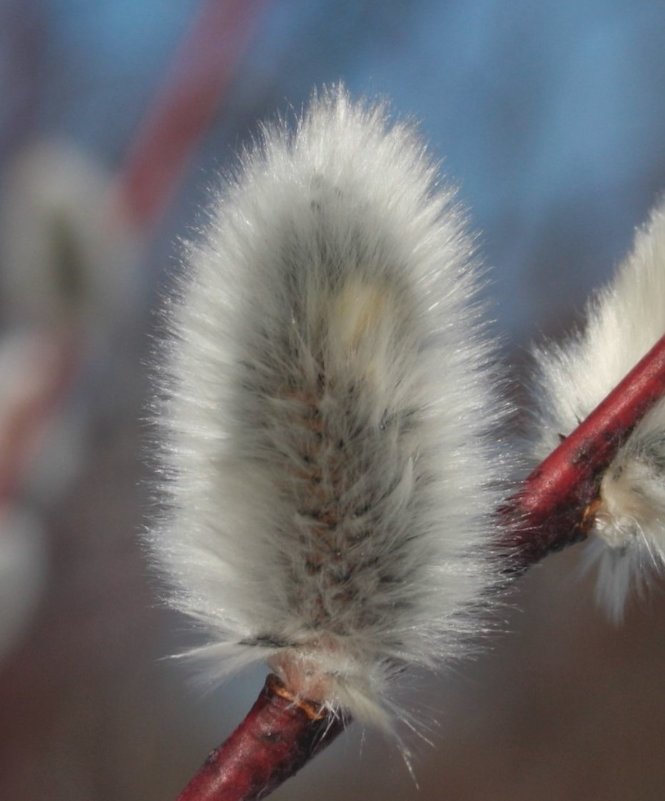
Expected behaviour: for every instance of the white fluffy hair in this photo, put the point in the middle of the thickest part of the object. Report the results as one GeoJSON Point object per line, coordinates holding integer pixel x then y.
{"type": "Point", "coordinates": [623, 322]}
{"type": "Point", "coordinates": [329, 420]}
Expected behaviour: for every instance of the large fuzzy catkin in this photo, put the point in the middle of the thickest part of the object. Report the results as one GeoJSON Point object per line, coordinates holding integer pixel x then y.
{"type": "Point", "coordinates": [328, 416]}
{"type": "Point", "coordinates": [623, 322]}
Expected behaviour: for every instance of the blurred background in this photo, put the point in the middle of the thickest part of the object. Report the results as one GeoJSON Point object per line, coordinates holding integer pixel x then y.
{"type": "Point", "coordinates": [116, 116]}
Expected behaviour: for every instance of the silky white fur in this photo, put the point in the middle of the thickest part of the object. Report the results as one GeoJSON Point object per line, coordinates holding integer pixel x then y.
{"type": "Point", "coordinates": [328, 416]}
{"type": "Point", "coordinates": [623, 322]}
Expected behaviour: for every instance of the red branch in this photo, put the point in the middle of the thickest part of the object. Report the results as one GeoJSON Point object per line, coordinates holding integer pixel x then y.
{"type": "Point", "coordinates": [185, 107]}
{"type": "Point", "coordinates": [278, 736]}
{"type": "Point", "coordinates": [555, 504]}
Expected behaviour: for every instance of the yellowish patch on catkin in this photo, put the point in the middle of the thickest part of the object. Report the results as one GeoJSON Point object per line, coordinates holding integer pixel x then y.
{"type": "Point", "coordinates": [361, 325]}
{"type": "Point", "coordinates": [358, 312]}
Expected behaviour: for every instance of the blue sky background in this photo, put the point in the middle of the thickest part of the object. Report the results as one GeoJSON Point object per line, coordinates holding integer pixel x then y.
{"type": "Point", "coordinates": [550, 116]}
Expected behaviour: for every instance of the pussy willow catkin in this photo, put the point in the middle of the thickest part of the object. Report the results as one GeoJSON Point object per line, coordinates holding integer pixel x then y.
{"type": "Point", "coordinates": [623, 322]}
{"type": "Point", "coordinates": [328, 418]}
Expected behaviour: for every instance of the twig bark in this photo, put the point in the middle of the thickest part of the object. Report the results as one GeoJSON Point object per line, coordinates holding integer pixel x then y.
{"type": "Point", "coordinates": [278, 736]}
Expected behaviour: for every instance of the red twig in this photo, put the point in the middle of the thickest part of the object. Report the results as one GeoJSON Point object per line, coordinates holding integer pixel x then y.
{"type": "Point", "coordinates": [185, 106]}
{"type": "Point", "coordinates": [278, 736]}
{"type": "Point", "coordinates": [555, 505]}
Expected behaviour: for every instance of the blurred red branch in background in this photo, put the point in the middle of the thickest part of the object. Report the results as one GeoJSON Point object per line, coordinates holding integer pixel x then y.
{"type": "Point", "coordinates": [185, 107]}
{"type": "Point", "coordinates": [52, 366]}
